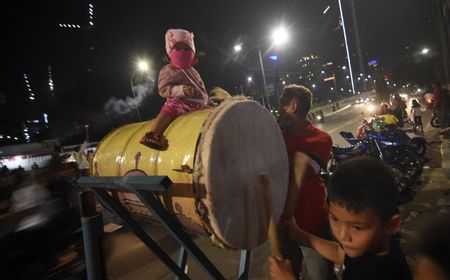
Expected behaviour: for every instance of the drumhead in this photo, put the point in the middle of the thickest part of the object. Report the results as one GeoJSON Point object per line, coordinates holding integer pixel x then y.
{"type": "Point", "coordinates": [239, 142]}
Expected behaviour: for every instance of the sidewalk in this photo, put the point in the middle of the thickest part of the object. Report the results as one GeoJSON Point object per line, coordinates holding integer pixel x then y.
{"type": "Point", "coordinates": [432, 196]}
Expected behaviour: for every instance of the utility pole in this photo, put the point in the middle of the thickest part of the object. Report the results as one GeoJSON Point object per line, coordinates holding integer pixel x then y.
{"type": "Point", "coordinates": [358, 43]}
{"type": "Point", "coordinates": [347, 47]}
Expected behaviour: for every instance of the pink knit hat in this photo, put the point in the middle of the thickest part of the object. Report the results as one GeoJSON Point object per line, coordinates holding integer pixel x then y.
{"type": "Point", "coordinates": [174, 36]}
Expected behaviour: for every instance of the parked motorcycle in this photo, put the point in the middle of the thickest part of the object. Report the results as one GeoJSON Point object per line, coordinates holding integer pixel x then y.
{"type": "Point", "coordinates": [408, 137]}
{"type": "Point", "coordinates": [435, 120]}
{"type": "Point", "coordinates": [418, 142]}
{"type": "Point", "coordinates": [405, 164]}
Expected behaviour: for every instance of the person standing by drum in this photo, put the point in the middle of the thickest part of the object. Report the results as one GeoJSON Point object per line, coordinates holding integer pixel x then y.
{"type": "Point", "coordinates": [180, 83]}
{"type": "Point", "coordinates": [311, 211]}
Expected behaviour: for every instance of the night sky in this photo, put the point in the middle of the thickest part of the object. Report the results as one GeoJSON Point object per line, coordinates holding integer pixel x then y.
{"type": "Point", "coordinates": [125, 30]}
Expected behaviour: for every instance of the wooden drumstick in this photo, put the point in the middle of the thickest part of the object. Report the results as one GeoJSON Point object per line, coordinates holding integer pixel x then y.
{"type": "Point", "coordinates": [273, 231]}
{"type": "Point", "coordinates": [298, 167]}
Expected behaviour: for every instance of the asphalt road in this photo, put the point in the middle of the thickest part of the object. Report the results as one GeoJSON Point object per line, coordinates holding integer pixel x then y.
{"type": "Point", "coordinates": [349, 120]}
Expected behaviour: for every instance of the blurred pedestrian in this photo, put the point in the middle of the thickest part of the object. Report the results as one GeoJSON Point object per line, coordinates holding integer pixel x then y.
{"type": "Point", "coordinates": [397, 109]}
{"type": "Point", "coordinates": [416, 112]}
{"type": "Point", "coordinates": [56, 160]}
{"type": "Point", "coordinates": [322, 116]}
{"type": "Point", "coordinates": [81, 159]}
{"type": "Point", "coordinates": [384, 109]}
{"type": "Point", "coordinates": [441, 104]}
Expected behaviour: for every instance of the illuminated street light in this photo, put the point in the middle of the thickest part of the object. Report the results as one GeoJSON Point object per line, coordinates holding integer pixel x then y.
{"type": "Point", "coordinates": [142, 65]}
{"type": "Point", "coordinates": [280, 36]}
{"type": "Point", "coordinates": [273, 57]}
{"type": "Point", "coordinates": [249, 79]}
{"type": "Point", "coordinates": [425, 51]}
{"type": "Point", "coordinates": [237, 48]}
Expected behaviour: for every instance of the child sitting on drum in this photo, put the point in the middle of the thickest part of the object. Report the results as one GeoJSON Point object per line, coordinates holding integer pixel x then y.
{"type": "Point", "coordinates": [180, 83]}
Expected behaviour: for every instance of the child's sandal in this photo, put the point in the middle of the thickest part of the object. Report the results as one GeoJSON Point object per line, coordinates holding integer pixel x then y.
{"type": "Point", "coordinates": [155, 141]}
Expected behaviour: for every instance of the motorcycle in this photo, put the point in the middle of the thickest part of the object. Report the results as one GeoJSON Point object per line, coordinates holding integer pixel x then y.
{"type": "Point", "coordinates": [404, 163]}
{"type": "Point", "coordinates": [394, 146]}
{"type": "Point", "coordinates": [429, 101]}
{"type": "Point", "coordinates": [418, 142]}
{"type": "Point", "coordinates": [320, 116]}
{"type": "Point", "coordinates": [408, 137]}
{"type": "Point", "coordinates": [435, 120]}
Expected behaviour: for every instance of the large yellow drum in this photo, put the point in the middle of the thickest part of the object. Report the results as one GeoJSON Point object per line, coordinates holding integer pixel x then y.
{"type": "Point", "coordinates": [215, 160]}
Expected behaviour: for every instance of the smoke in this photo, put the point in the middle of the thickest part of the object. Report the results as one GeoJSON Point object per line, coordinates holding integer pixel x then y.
{"type": "Point", "coordinates": [141, 87]}
{"type": "Point", "coordinates": [67, 131]}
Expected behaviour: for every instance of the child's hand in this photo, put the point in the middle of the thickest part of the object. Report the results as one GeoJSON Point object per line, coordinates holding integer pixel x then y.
{"type": "Point", "coordinates": [280, 269]}
{"type": "Point", "coordinates": [188, 91]}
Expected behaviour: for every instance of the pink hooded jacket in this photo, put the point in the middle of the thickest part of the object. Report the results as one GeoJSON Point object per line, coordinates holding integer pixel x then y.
{"type": "Point", "coordinates": [171, 79]}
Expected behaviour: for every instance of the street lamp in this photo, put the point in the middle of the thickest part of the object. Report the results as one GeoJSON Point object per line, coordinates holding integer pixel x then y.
{"type": "Point", "coordinates": [249, 79]}
{"type": "Point", "coordinates": [142, 68]}
{"type": "Point", "coordinates": [86, 127]}
{"type": "Point", "coordinates": [279, 37]}
{"type": "Point", "coordinates": [425, 51]}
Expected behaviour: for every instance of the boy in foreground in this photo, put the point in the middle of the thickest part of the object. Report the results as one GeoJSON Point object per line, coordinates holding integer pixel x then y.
{"type": "Point", "coordinates": [364, 220]}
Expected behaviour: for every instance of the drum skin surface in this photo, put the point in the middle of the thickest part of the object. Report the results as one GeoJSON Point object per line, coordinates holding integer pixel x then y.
{"type": "Point", "coordinates": [215, 160]}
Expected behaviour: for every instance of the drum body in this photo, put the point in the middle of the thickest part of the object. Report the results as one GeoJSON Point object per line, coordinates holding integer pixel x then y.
{"type": "Point", "coordinates": [216, 158]}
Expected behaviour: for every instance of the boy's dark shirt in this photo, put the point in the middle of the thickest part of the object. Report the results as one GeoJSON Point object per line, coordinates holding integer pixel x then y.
{"type": "Point", "coordinates": [391, 266]}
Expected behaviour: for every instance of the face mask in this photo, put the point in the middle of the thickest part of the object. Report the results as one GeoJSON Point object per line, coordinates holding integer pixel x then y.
{"type": "Point", "coordinates": [182, 58]}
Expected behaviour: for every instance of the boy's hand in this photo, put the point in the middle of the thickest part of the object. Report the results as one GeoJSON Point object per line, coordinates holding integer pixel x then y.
{"type": "Point", "coordinates": [295, 233]}
{"type": "Point", "coordinates": [188, 91]}
{"type": "Point", "coordinates": [280, 269]}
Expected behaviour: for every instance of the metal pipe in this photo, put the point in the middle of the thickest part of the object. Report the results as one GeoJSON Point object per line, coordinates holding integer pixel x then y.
{"type": "Point", "coordinates": [92, 225]}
